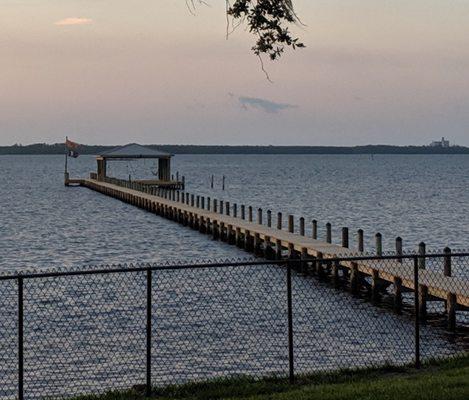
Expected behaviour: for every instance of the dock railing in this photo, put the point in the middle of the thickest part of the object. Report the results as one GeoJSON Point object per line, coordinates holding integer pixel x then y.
{"type": "Point", "coordinates": [82, 331]}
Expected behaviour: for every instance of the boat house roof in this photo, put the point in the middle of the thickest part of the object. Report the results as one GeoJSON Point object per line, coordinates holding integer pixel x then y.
{"type": "Point", "coordinates": [133, 151]}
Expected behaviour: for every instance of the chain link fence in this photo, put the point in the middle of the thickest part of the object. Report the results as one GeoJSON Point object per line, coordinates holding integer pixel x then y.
{"type": "Point", "coordinates": [88, 331]}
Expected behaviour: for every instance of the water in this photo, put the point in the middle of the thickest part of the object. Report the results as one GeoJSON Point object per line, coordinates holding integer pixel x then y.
{"type": "Point", "coordinates": [44, 224]}
{"type": "Point", "coordinates": [89, 333]}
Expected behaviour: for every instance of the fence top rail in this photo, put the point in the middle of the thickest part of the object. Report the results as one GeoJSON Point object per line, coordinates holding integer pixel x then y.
{"type": "Point", "coordinates": [142, 267]}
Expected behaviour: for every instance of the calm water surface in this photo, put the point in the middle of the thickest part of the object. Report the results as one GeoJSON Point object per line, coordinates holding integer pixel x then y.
{"type": "Point", "coordinates": [420, 198]}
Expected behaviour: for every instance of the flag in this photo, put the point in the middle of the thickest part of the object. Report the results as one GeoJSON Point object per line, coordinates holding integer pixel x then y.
{"type": "Point", "coordinates": [71, 145]}
{"type": "Point", "coordinates": [73, 153]}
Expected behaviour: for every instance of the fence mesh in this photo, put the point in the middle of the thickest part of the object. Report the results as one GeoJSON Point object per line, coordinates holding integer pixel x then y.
{"type": "Point", "coordinates": [85, 332]}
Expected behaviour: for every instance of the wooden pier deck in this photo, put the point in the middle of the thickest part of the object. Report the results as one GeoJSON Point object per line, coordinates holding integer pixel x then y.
{"type": "Point", "coordinates": [253, 233]}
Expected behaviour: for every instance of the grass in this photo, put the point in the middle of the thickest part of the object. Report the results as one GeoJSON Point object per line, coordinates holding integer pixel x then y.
{"type": "Point", "coordinates": [448, 380]}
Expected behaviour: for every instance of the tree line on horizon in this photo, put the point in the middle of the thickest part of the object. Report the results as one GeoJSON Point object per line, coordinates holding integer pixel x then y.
{"type": "Point", "coordinates": [59, 148]}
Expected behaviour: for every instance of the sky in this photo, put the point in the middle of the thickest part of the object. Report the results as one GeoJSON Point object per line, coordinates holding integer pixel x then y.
{"type": "Point", "coordinates": [150, 71]}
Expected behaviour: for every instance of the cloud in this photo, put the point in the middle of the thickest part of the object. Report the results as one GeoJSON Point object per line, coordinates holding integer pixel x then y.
{"type": "Point", "coordinates": [267, 106]}
{"type": "Point", "coordinates": [73, 21]}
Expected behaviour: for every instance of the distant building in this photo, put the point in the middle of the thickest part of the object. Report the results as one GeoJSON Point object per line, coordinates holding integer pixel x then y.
{"type": "Point", "coordinates": [440, 143]}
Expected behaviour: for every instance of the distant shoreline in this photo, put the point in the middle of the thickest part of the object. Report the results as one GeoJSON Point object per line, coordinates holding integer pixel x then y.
{"type": "Point", "coordinates": [46, 149]}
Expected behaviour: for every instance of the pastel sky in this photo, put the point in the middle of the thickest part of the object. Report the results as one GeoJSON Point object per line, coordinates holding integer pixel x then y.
{"type": "Point", "coordinates": [118, 71]}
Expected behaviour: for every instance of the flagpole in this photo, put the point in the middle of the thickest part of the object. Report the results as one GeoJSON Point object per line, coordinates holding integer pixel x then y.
{"type": "Point", "coordinates": [66, 155]}
{"type": "Point", "coordinates": [66, 179]}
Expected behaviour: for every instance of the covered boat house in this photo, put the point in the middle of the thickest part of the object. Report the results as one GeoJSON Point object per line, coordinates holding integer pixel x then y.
{"type": "Point", "coordinates": [136, 151]}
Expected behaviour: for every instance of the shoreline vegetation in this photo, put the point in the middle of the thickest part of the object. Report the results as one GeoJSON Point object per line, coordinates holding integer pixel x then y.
{"type": "Point", "coordinates": [435, 380]}
{"type": "Point", "coordinates": [58, 148]}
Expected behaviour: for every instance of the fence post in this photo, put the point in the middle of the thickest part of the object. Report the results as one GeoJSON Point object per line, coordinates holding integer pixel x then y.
{"type": "Point", "coordinates": [302, 226]}
{"type": "Point", "coordinates": [291, 362]}
{"type": "Point", "coordinates": [269, 218]}
{"type": "Point", "coordinates": [20, 339]}
{"type": "Point", "coordinates": [148, 333]}
{"type": "Point", "coordinates": [328, 232]}
{"type": "Point", "coordinates": [417, 312]}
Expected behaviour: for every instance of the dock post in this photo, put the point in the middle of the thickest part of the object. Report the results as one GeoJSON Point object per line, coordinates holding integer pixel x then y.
{"type": "Point", "coordinates": [215, 206]}
{"type": "Point", "coordinates": [399, 248]}
{"type": "Point", "coordinates": [291, 251]}
{"type": "Point", "coordinates": [302, 226]}
{"type": "Point", "coordinates": [187, 198]}
{"type": "Point", "coordinates": [328, 232]}
{"type": "Point", "coordinates": [304, 262]}
{"type": "Point", "coordinates": [291, 224]}
{"type": "Point", "coordinates": [227, 206]}
{"type": "Point", "coordinates": [319, 265]}
{"type": "Point", "coordinates": [374, 285]}
{"type": "Point", "coordinates": [239, 240]}
{"type": "Point", "coordinates": [235, 210]}
{"type": "Point", "coordinates": [202, 228]}
{"type": "Point", "coordinates": [197, 201]}
{"type": "Point", "coordinates": [211, 183]}
{"type": "Point", "coordinates": [231, 235]}
{"type": "Point", "coordinates": [279, 220]}
{"type": "Point", "coordinates": [223, 236]}
{"type": "Point", "coordinates": [222, 207]}
{"type": "Point", "coordinates": [315, 229]}
{"type": "Point", "coordinates": [215, 231]}
{"type": "Point", "coordinates": [345, 238]}
{"type": "Point", "coordinates": [423, 294]}
{"type": "Point", "coordinates": [269, 218]}
{"type": "Point", "coordinates": [259, 216]}
{"type": "Point", "coordinates": [247, 240]}
{"type": "Point", "coordinates": [192, 200]}
{"type": "Point", "coordinates": [202, 203]}
{"type": "Point", "coordinates": [243, 211]}
{"type": "Point", "coordinates": [269, 252]}
{"type": "Point", "coordinates": [250, 213]}
{"type": "Point", "coordinates": [397, 294]}
{"type": "Point", "coordinates": [335, 273]}
{"type": "Point", "coordinates": [451, 311]}
{"type": "Point", "coordinates": [451, 297]}
{"type": "Point", "coordinates": [278, 249]}
{"type": "Point", "coordinates": [422, 251]}
{"type": "Point", "coordinates": [379, 244]}
{"type": "Point", "coordinates": [257, 244]}
{"type": "Point", "coordinates": [360, 241]}
{"type": "Point", "coordinates": [209, 201]}
{"type": "Point", "coordinates": [447, 265]}
{"type": "Point", "coordinates": [354, 278]}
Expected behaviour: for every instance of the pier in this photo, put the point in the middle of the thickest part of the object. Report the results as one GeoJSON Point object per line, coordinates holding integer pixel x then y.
{"type": "Point", "coordinates": [256, 232]}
